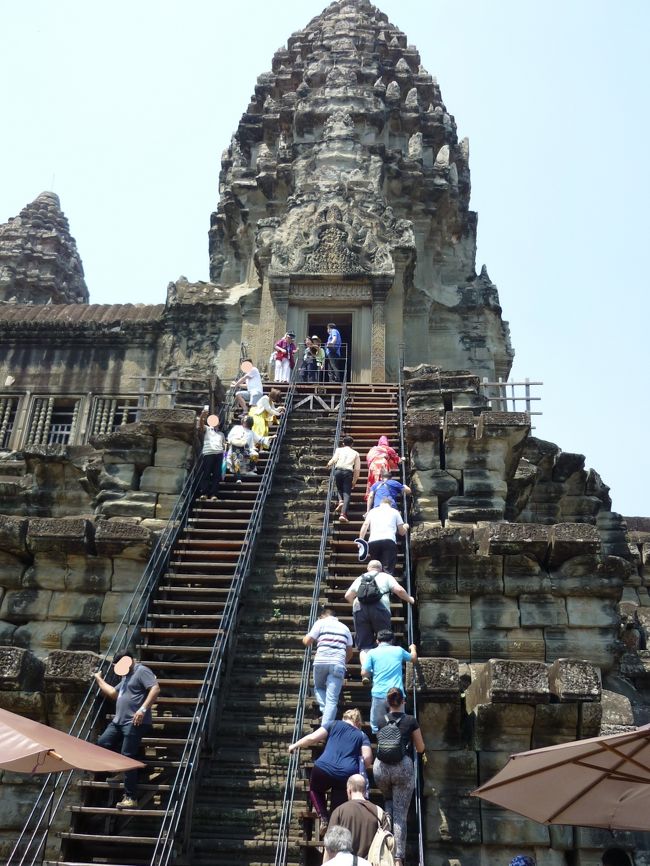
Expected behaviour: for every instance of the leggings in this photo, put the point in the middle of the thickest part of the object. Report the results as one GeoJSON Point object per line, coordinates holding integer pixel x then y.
{"type": "Point", "coordinates": [397, 783]}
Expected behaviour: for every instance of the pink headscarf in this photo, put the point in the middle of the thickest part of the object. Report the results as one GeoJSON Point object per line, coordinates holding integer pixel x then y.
{"type": "Point", "coordinates": [383, 440]}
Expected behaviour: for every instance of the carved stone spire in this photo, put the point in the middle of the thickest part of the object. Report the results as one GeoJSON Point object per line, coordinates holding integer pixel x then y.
{"type": "Point", "coordinates": [349, 121]}
{"type": "Point", "coordinates": [39, 262]}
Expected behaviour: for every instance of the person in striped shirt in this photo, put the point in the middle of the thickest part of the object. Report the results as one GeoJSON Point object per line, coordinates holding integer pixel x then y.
{"type": "Point", "coordinates": [333, 651]}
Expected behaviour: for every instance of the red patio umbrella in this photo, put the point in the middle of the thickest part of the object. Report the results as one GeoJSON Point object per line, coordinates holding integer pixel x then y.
{"type": "Point", "coordinates": [30, 747]}
{"type": "Point", "coordinates": [599, 782]}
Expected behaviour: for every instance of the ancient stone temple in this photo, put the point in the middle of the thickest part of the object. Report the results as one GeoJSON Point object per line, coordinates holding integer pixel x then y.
{"type": "Point", "coordinates": [345, 198]}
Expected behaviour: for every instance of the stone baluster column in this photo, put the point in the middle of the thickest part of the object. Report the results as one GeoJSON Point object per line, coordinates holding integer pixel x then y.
{"type": "Point", "coordinates": [378, 337]}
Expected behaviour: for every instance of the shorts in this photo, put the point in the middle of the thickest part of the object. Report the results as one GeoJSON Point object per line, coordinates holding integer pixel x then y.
{"type": "Point", "coordinates": [251, 399]}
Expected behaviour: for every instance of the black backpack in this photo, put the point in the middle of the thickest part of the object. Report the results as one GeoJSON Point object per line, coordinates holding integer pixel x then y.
{"type": "Point", "coordinates": [391, 747]}
{"type": "Point", "coordinates": [369, 592]}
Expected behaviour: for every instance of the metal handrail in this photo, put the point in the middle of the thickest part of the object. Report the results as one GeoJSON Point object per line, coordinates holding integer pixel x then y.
{"type": "Point", "coordinates": [410, 630]}
{"type": "Point", "coordinates": [189, 758]}
{"type": "Point", "coordinates": [303, 690]}
{"type": "Point", "coordinates": [50, 797]}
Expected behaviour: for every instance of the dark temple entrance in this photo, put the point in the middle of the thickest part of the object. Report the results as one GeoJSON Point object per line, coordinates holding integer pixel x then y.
{"type": "Point", "coordinates": [317, 325]}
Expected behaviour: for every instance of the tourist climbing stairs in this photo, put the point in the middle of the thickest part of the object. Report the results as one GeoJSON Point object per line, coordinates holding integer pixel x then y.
{"type": "Point", "coordinates": [183, 618]}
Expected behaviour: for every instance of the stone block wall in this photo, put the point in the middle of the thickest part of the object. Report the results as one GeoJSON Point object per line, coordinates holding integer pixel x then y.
{"type": "Point", "coordinates": [473, 718]}
{"type": "Point", "coordinates": [517, 591]}
{"type": "Point", "coordinates": [71, 556]}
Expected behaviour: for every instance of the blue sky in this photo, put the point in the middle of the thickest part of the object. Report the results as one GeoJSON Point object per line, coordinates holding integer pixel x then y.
{"type": "Point", "coordinates": [124, 109]}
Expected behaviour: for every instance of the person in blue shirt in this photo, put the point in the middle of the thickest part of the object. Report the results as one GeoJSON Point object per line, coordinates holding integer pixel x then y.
{"type": "Point", "coordinates": [384, 664]}
{"type": "Point", "coordinates": [333, 353]}
{"type": "Point", "coordinates": [387, 486]}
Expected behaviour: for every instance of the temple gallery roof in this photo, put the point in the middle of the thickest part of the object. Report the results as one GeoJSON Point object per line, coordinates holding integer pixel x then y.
{"type": "Point", "coordinates": [59, 315]}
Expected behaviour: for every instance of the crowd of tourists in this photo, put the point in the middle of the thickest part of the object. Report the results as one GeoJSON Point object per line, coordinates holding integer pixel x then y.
{"type": "Point", "coordinates": [320, 361]}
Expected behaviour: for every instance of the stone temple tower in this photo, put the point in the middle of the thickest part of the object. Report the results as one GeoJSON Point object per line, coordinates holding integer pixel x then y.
{"type": "Point", "coordinates": [345, 196]}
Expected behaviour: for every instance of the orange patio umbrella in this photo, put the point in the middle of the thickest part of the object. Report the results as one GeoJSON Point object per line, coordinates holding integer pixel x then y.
{"type": "Point", "coordinates": [599, 782]}
{"type": "Point", "coordinates": [30, 747]}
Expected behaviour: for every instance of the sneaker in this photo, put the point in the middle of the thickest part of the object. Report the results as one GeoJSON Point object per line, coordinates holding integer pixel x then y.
{"type": "Point", "coordinates": [239, 481]}
{"type": "Point", "coordinates": [127, 803]}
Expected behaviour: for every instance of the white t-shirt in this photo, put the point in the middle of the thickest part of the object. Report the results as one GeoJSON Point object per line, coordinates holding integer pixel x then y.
{"type": "Point", "coordinates": [383, 522]}
{"type": "Point", "coordinates": [254, 382]}
{"type": "Point", "coordinates": [213, 441]}
{"type": "Point", "coordinates": [384, 581]}
{"type": "Point", "coordinates": [346, 458]}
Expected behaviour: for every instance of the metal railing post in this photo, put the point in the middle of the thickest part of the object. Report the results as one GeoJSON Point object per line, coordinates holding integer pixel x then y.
{"type": "Point", "coordinates": [410, 629]}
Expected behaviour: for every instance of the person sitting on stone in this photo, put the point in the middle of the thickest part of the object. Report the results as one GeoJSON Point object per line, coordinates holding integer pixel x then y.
{"type": "Point", "coordinates": [339, 849]}
{"type": "Point", "coordinates": [242, 451]}
{"type": "Point", "coordinates": [254, 388]}
{"type": "Point", "coordinates": [265, 412]}
{"type": "Point", "coordinates": [371, 615]}
{"type": "Point", "coordinates": [359, 816]}
{"type": "Point", "coordinates": [387, 486]}
{"type": "Point", "coordinates": [134, 695]}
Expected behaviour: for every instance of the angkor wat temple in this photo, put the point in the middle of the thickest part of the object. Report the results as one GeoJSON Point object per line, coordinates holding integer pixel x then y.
{"type": "Point", "coordinates": [344, 197]}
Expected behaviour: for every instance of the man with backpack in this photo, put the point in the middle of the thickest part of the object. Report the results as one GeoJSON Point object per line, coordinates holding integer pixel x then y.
{"type": "Point", "coordinates": [361, 817]}
{"type": "Point", "coordinates": [384, 665]}
{"type": "Point", "coordinates": [369, 596]}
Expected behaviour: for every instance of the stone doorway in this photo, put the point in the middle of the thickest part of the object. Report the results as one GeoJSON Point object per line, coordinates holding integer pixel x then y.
{"type": "Point", "coordinates": [317, 324]}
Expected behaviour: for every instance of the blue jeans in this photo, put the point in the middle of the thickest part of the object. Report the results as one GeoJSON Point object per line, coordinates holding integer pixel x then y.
{"type": "Point", "coordinates": [378, 712]}
{"type": "Point", "coordinates": [328, 682]}
{"type": "Point", "coordinates": [125, 738]}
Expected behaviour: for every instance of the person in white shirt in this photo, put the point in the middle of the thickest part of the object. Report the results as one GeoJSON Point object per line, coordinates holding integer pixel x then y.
{"type": "Point", "coordinates": [346, 474]}
{"type": "Point", "coordinates": [384, 523]}
{"type": "Point", "coordinates": [338, 848]}
{"type": "Point", "coordinates": [214, 444]}
{"type": "Point", "coordinates": [254, 388]}
{"type": "Point", "coordinates": [371, 617]}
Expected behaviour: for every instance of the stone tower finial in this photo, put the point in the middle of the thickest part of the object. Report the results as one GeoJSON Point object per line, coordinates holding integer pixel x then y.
{"type": "Point", "coordinates": [39, 262]}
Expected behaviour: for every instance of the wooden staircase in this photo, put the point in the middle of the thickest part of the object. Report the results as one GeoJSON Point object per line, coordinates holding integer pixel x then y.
{"type": "Point", "coordinates": [183, 621]}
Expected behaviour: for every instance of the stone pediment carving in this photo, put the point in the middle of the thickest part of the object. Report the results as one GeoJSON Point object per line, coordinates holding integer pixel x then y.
{"type": "Point", "coordinates": [327, 235]}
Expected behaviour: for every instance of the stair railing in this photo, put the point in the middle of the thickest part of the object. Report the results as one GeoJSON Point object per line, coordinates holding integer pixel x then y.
{"type": "Point", "coordinates": [33, 837]}
{"type": "Point", "coordinates": [410, 629]}
{"type": "Point", "coordinates": [182, 786]}
{"type": "Point", "coordinates": [303, 689]}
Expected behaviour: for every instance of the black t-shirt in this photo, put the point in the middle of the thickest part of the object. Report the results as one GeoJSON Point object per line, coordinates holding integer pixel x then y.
{"type": "Point", "coordinates": [407, 724]}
